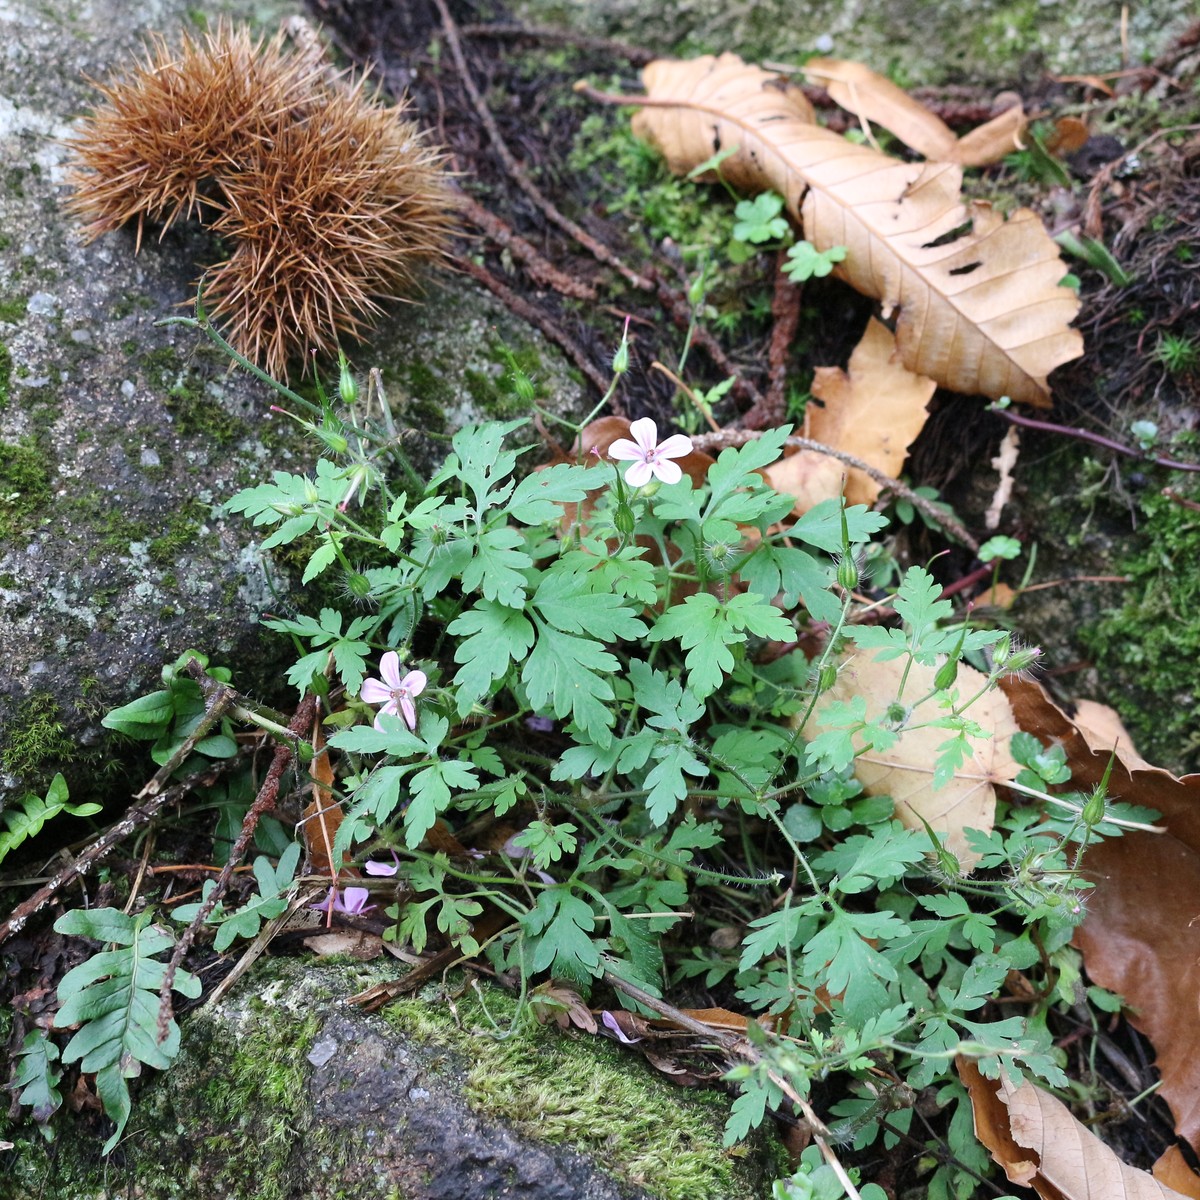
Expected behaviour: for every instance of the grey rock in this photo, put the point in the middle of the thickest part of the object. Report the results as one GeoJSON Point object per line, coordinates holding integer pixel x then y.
{"type": "Point", "coordinates": [119, 440]}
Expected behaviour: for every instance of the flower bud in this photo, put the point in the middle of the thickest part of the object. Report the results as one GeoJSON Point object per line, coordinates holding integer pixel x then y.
{"type": "Point", "coordinates": [620, 363]}
{"type": "Point", "coordinates": [827, 677]}
{"type": "Point", "coordinates": [847, 573]}
{"type": "Point", "coordinates": [623, 519]}
{"type": "Point", "coordinates": [359, 586]}
{"type": "Point", "coordinates": [1093, 810]}
{"type": "Point", "coordinates": [347, 388]}
{"type": "Point", "coordinates": [947, 673]}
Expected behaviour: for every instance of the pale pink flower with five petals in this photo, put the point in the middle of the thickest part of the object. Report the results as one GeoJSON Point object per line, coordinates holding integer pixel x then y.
{"type": "Point", "coordinates": [650, 458]}
{"type": "Point", "coordinates": [393, 692]}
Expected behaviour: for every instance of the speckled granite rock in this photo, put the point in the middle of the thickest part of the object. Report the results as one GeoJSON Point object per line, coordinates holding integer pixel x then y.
{"type": "Point", "coordinates": [118, 439]}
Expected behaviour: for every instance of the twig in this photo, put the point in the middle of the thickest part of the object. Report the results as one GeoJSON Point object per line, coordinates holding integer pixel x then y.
{"type": "Point", "coordinates": [561, 37]}
{"type": "Point", "coordinates": [737, 1045]}
{"type": "Point", "coordinates": [263, 803]}
{"type": "Point", "coordinates": [1175, 498]}
{"type": "Point", "coordinates": [540, 271]}
{"type": "Point", "coordinates": [528, 312]}
{"type": "Point", "coordinates": [687, 391]}
{"type": "Point", "coordinates": [1085, 435]}
{"type": "Point", "coordinates": [514, 168]}
{"type": "Point", "coordinates": [785, 309]}
{"type": "Point", "coordinates": [135, 817]}
{"type": "Point", "coordinates": [739, 437]}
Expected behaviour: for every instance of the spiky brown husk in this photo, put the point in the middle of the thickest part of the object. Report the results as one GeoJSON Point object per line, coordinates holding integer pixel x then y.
{"type": "Point", "coordinates": [329, 201]}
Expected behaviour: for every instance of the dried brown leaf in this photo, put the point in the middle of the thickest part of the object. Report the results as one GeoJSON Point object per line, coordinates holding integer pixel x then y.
{"type": "Point", "coordinates": [905, 771]}
{"type": "Point", "coordinates": [872, 97]}
{"type": "Point", "coordinates": [1141, 937]}
{"type": "Point", "coordinates": [875, 412]}
{"type": "Point", "coordinates": [808, 477]}
{"type": "Point", "coordinates": [980, 312]}
{"type": "Point", "coordinates": [1037, 1141]}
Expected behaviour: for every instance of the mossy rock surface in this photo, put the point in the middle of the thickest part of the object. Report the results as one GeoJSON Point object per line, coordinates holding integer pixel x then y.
{"type": "Point", "coordinates": [916, 42]}
{"type": "Point", "coordinates": [284, 1091]}
{"type": "Point", "coordinates": [119, 441]}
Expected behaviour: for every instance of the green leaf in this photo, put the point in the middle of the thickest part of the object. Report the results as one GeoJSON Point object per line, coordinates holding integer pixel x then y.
{"type": "Point", "coordinates": [540, 496]}
{"type": "Point", "coordinates": [431, 795]}
{"type": "Point", "coordinates": [496, 567]}
{"type": "Point", "coordinates": [806, 262]}
{"type": "Point", "coordinates": [322, 557]}
{"type": "Point", "coordinates": [561, 925]}
{"type": "Point", "coordinates": [113, 996]}
{"type": "Point", "coordinates": [918, 604]}
{"type": "Point", "coordinates": [706, 627]}
{"type": "Point", "coordinates": [27, 820]}
{"type": "Point", "coordinates": [147, 717]}
{"type": "Point", "coordinates": [546, 843]}
{"type": "Point", "coordinates": [569, 601]}
{"type": "Point", "coordinates": [394, 738]}
{"type": "Point", "coordinates": [498, 636]}
{"type": "Point", "coordinates": [245, 921]}
{"type": "Point", "coordinates": [666, 782]}
{"type": "Point", "coordinates": [38, 1077]}
{"type": "Point", "coordinates": [758, 220]}
{"type": "Point", "coordinates": [821, 526]}
{"type": "Point", "coordinates": [568, 675]}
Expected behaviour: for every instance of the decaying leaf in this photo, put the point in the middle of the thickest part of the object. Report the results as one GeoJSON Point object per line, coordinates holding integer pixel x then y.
{"type": "Point", "coordinates": [980, 312]}
{"type": "Point", "coordinates": [808, 477]}
{"type": "Point", "coordinates": [323, 816]}
{"type": "Point", "coordinates": [874, 412]}
{"type": "Point", "coordinates": [872, 97]}
{"type": "Point", "coordinates": [1033, 1136]}
{"type": "Point", "coordinates": [1141, 937]}
{"type": "Point", "coordinates": [905, 771]}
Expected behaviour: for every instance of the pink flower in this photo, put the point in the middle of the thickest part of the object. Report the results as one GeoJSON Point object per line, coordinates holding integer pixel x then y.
{"type": "Point", "coordinates": [649, 457]}
{"type": "Point", "coordinates": [351, 900]}
{"type": "Point", "coordinates": [395, 694]}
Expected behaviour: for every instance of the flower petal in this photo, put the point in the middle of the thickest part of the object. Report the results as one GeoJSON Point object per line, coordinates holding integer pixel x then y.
{"type": "Point", "coordinates": [623, 448]}
{"type": "Point", "coordinates": [380, 868]}
{"type": "Point", "coordinates": [676, 446]}
{"type": "Point", "coordinates": [414, 682]}
{"type": "Point", "coordinates": [388, 710]}
{"type": "Point", "coordinates": [354, 900]}
{"type": "Point", "coordinates": [645, 433]}
{"type": "Point", "coordinates": [639, 474]}
{"type": "Point", "coordinates": [374, 692]}
{"type": "Point", "coordinates": [408, 711]}
{"type": "Point", "coordinates": [389, 669]}
{"type": "Point", "coordinates": [667, 471]}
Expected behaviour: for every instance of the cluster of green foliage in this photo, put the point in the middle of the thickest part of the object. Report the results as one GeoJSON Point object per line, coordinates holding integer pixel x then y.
{"type": "Point", "coordinates": [596, 676]}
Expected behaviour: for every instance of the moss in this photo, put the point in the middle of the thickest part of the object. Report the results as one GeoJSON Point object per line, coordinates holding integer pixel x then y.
{"type": "Point", "coordinates": [1147, 648]}
{"type": "Point", "coordinates": [5, 374]}
{"type": "Point", "coordinates": [33, 737]}
{"type": "Point", "coordinates": [182, 530]}
{"type": "Point", "coordinates": [12, 309]}
{"type": "Point", "coordinates": [24, 486]}
{"type": "Point", "coordinates": [589, 1095]}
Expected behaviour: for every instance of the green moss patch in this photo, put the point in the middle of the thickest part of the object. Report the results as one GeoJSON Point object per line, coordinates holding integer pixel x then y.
{"type": "Point", "coordinates": [33, 737]}
{"type": "Point", "coordinates": [24, 486]}
{"type": "Point", "coordinates": [589, 1095]}
{"type": "Point", "coordinates": [1148, 648]}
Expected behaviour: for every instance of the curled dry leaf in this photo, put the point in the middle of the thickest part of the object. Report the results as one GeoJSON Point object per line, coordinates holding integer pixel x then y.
{"type": "Point", "coordinates": [1141, 937]}
{"type": "Point", "coordinates": [981, 312]}
{"type": "Point", "coordinates": [905, 771]}
{"type": "Point", "coordinates": [875, 412]}
{"type": "Point", "coordinates": [872, 97]}
{"type": "Point", "coordinates": [1033, 1136]}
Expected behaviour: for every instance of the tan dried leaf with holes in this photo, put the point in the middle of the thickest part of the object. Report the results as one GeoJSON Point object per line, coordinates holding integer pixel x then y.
{"type": "Point", "coordinates": [980, 311]}
{"type": "Point", "coordinates": [905, 770]}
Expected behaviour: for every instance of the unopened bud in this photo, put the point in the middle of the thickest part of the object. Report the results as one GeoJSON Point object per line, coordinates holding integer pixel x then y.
{"type": "Point", "coordinates": [1093, 810]}
{"type": "Point", "coordinates": [359, 586]}
{"type": "Point", "coordinates": [1022, 660]}
{"type": "Point", "coordinates": [847, 573]}
{"type": "Point", "coordinates": [623, 519]}
{"type": "Point", "coordinates": [827, 677]}
{"type": "Point", "coordinates": [347, 388]}
{"type": "Point", "coordinates": [620, 363]}
{"type": "Point", "coordinates": [947, 673]}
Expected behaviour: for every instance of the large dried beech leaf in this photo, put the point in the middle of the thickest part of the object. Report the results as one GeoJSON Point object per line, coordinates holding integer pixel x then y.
{"type": "Point", "coordinates": [905, 772]}
{"type": "Point", "coordinates": [872, 97]}
{"type": "Point", "coordinates": [875, 412]}
{"type": "Point", "coordinates": [979, 313]}
{"type": "Point", "coordinates": [1032, 1135]}
{"type": "Point", "coordinates": [808, 477]}
{"type": "Point", "coordinates": [1141, 937]}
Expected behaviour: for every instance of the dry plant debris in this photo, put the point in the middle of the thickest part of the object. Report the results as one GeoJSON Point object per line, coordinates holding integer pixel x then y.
{"type": "Point", "coordinates": [981, 311]}
{"type": "Point", "coordinates": [1033, 1136]}
{"type": "Point", "coordinates": [329, 201]}
{"type": "Point", "coordinates": [1141, 938]}
{"type": "Point", "coordinates": [905, 771]}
